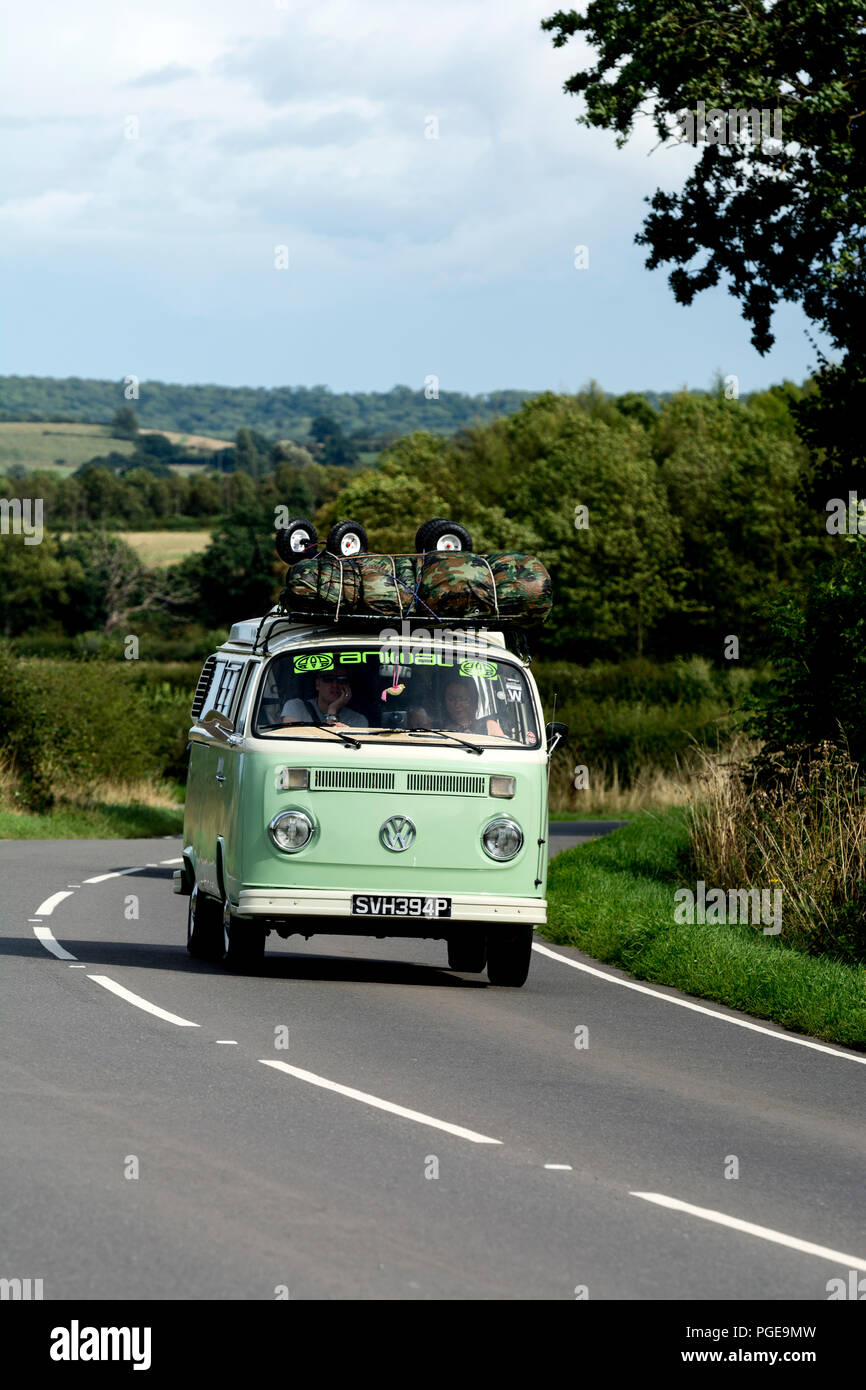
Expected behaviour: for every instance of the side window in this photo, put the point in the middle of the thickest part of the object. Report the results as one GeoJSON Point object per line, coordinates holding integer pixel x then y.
{"type": "Point", "coordinates": [224, 685]}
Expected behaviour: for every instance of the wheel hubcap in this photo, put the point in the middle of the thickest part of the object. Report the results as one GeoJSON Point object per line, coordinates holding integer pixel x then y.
{"type": "Point", "coordinates": [448, 542]}
{"type": "Point", "coordinates": [350, 545]}
{"type": "Point", "coordinates": [299, 541]}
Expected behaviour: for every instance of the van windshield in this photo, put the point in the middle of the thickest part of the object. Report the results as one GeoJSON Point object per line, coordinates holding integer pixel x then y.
{"type": "Point", "coordinates": [403, 692]}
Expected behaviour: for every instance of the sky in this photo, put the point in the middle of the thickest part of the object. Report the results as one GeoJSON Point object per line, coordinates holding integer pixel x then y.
{"type": "Point", "coordinates": [418, 165]}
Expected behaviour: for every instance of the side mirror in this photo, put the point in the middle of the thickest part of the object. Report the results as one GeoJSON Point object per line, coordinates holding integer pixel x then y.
{"type": "Point", "coordinates": [555, 733]}
{"type": "Point", "coordinates": [219, 722]}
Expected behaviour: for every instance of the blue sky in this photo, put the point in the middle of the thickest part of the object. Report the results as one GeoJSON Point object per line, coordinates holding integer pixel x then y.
{"type": "Point", "coordinates": [303, 123]}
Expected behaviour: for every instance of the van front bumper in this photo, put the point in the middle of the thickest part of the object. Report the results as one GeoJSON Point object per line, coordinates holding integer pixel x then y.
{"type": "Point", "coordinates": [337, 902]}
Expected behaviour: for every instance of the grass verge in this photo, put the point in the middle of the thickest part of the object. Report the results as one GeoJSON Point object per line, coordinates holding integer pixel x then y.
{"type": "Point", "coordinates": [108, 811]}
{"type": "Point", "coordinates": [614, 899]}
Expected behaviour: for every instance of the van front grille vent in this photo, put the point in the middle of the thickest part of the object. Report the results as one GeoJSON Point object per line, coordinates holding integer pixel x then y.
{"type": "Point", "coordinates": [455, 783]}
{"type": "Point", "coordinates": [351, 780]}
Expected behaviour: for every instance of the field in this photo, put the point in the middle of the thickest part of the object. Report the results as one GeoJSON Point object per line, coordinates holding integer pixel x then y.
{"type": "Point", "coordinates": [166, 547]}
{"type": "Point", "coordinates": [61, 448]}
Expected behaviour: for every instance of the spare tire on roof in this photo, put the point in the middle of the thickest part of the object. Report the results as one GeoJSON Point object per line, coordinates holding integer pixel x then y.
{"type": "Point", "coordinates": [442, 534]}
{"type": "Point", "coordinates": [296, 539]}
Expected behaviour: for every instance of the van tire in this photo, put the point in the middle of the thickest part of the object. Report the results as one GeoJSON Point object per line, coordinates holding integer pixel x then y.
{"type": "Point", "coordinates": [204, 926]}
{"type": "Point", "coordinates": [509, 951]}
{"type": "Point", "coordinates": [295, 540]}
{"type": "Point", "coordinates": [442, 534]}
{"type": "Point", "coordinates": [468, 951]}
{"type": "Point", "coordinates": [243, 943]}
{"type": "Point", "coordinates": [347, 539]}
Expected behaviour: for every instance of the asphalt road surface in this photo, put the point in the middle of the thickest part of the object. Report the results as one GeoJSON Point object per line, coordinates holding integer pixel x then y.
{"type": "Point", "coordinates": [358, 1122]}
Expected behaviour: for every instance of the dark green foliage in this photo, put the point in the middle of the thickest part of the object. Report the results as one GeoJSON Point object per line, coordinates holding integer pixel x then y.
{"type": "Point", "coordinates": [284, 412]}
{"type": "Point", "coordinates": [124, 424]}
{"type": "Point", "coordinates": [818, 650]}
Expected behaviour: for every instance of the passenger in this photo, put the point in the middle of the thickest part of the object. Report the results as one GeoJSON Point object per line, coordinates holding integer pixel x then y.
{"type": "Point", "coordinates": [330, 706]}
{"type": "Point", "coordinates": [418, 718]}
{"type": "Point", "coordinates": [458, 704]}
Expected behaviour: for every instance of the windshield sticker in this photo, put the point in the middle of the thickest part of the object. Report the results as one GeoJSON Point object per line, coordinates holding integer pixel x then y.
{"type": "Point", "coordinates": [514, 690]}
{"type": "Point", "coordinates": [315, 661]}
{"type": "Point", "coordinates": [487, 670]}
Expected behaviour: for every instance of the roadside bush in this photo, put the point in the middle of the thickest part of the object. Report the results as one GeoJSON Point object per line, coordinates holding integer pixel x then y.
{"type": "Point", "coordinates": [795, 821]}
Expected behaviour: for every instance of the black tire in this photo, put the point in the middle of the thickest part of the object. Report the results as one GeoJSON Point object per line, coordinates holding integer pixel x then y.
{"type": "Point", "coordinates": [509, 951]}
{"type": "Point", "coordinates": [442, 534]}
{"type": "Point", "coordinates": [346, 539]}
{"type": "Point", "coordinates": [467, 952]}
{"type": "Point", "coordinates": [295, 540]}
{"type": "Point", "coordinates": [243, 943]}
{"type": "Point", "coordinates": [204, 926]}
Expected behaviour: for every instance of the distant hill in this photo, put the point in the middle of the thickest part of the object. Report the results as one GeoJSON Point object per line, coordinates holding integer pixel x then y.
{"type": "Point", "coordinates": [285, 412]}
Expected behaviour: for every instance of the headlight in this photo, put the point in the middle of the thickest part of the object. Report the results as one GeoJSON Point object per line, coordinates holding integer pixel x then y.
{"type": "Point", "coordinates": [291, 830]}
{"type": "Point", "coordinates": [502, 839]}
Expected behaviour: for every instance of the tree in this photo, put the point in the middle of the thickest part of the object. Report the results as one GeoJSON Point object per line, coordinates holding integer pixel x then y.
{"type": "Point", "coordinates": [335, 448]}
{"type": "Point", "coordinates": [124, 424]}
{"type": "Point", "coordinates": [776, 219]}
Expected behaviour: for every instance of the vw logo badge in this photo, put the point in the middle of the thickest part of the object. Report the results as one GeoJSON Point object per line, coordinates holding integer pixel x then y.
{"type": "Point", "coordinates": [397, 834]}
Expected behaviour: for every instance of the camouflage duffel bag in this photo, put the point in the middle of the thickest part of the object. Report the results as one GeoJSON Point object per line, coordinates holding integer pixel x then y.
{"type": "Point", "coordinates": [322, 584]}
{"type": "Point", "coordinates": [504, 586]}
{"type": "Point", "coordinates": [371, 585]}
{"type": "Point", "coordinates": [523, 590]}
{"type": "Point", "coordinates": [381, 590]}
{"type": "Point", "coordinates": [456, 584]}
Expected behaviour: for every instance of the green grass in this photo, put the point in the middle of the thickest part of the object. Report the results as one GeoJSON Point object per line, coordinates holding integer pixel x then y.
{"type": "Point", "coordinates": [40, 446]}
{"type": "Point", "coordinates": [102, 821]}
{"type": "Point", "coordinates": [614, 899]}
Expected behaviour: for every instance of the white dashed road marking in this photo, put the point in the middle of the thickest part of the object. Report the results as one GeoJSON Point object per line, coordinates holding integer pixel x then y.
{"type": "Point", "coordinates": [763, 1232]}
{"type": "Point", "coordinates": [45, 909]}
{"type": "Point", "coordinates": [45, 937]}
{"type": "Point", "coordinates": [141, 1003]}
{"type": "Point", "coordinates": [388, 1105]}
{"type": "Point", "coordinates": [119, 873]}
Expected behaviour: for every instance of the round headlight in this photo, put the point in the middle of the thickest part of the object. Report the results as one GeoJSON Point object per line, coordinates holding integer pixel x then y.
{"type": "Point", "coordinates": [502, 839]}
{"type": "Point", "coordinates": [291, 830]}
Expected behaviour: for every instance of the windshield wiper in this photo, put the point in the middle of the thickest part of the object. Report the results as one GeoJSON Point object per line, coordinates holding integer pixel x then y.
{"type": "Point", "coordinates": [338, 733]}
{"type": "Point", "coordinates": [440, 733]}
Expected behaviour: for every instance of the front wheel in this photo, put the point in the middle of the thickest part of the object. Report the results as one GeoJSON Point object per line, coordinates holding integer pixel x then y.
{"type": "Point", "coordinates": [204, 926]}
{"type": "Point", "coordinates": [243, 943]}
{"type": "Point", "coordinates": [509, 950]}
{"type": "Point", "coordinates": [467, 952]}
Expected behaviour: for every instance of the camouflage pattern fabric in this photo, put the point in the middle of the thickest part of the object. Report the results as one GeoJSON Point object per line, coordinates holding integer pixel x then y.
{"type": "Point", "coordinates": [457, 584]}
{"type": "Point", "coordinates": [523, 589]}
{"type": "Point", "coordinates": [511, 587]}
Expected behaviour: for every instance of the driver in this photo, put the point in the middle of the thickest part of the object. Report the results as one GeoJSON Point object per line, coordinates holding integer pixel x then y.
{"type": "Point", "coordinates": [460, 710]}
{"type": "Point", "coordinates": [330, 706]}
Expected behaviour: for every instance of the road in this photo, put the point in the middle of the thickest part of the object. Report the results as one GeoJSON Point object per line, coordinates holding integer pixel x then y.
{"type": "Point", "coordinates": [422, 1135]}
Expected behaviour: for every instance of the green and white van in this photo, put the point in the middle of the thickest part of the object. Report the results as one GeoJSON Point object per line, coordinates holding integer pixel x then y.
{"type": "Point", "coordinates": [346, 782]}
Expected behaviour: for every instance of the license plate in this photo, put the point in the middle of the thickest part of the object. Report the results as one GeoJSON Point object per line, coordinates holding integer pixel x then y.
{"type": "Point", "coordinates": [402, 905]}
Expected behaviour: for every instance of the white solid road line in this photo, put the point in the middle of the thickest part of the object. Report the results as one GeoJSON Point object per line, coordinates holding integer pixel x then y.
{"type": "Point", "coordinates": [140, 1003]}
{"type": "Point", "coordinates": [172, 861]}
{"type": "Point", "coordinates": [44, 935]}
{"type": "Point", "coordinates": [118, 873]}
{"type": "Point", "coordinates": [698, 1008]}
{"type": "Point", "coordinates": [808, 1247]}
{"type": "Point", "coordinates": [388, 1105]}
{"type": "Point", "coordinates": [45, 909]}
